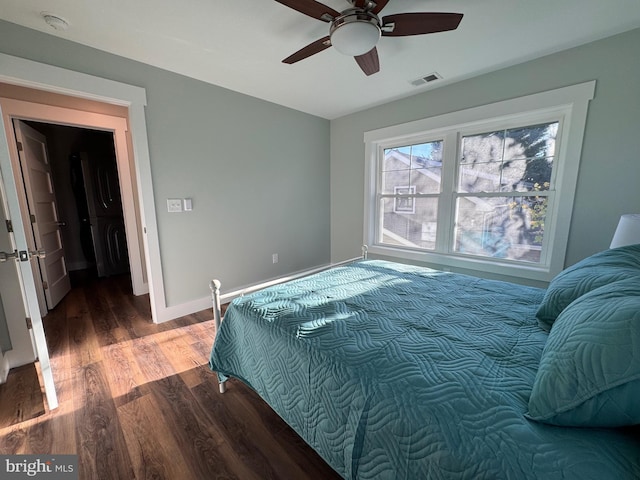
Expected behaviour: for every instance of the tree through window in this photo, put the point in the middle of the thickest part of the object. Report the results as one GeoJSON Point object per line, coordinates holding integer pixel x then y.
{"type": "Point", "coordinates": [503, 183]}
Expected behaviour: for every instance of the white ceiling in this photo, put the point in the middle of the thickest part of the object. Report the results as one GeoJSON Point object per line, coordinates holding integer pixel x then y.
{"type": "Point", "coordinates": [239, 44]}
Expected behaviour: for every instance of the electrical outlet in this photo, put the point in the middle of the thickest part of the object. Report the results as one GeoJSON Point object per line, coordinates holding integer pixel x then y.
{"type": "Point", "coordinates": [174, 205]}
{"type": "Point", "coordinates": [274, 258]}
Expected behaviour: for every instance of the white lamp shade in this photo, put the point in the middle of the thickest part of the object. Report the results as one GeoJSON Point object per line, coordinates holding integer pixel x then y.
{"type": "Point", "coordinates": [355, 38]}
{"type": "Point", "coordinates": [628, 231]}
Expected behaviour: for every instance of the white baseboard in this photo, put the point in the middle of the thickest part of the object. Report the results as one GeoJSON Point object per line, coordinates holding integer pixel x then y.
{"type": "Point", "coordinates": [11, 360]}
{"type": "Point", "coordinates": [4, 368]}
{"type": "Point", "coordinates": [177, 311]}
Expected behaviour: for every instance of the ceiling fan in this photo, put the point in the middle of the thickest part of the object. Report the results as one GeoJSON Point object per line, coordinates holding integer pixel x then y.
{"type": "Point", "coordinates": [356, 31]}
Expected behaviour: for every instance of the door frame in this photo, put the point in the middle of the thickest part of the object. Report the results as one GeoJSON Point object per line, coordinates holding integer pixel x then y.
{"type": "Point", "coordinates": [22, 110]}
{"type": "Point", "coordinates": [27, 73]}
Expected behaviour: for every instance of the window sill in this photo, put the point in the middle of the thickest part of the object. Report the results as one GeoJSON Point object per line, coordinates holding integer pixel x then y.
{"type": "Point", "coordinates": [442, 261]}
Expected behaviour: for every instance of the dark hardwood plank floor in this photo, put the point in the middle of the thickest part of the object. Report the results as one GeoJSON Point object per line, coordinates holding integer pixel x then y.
{"type": "Point", "coordinates": [137, 400]}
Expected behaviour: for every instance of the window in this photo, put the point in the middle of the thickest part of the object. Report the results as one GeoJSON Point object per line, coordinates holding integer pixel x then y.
{"type": "Point", "coordinates": [489, 188]}
{"type": "Point", "coordinates": [410, 176]}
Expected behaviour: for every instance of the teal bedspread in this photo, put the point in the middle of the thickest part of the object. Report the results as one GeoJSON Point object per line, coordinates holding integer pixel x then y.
{"type": "Point", "coordinates": [401, 372]}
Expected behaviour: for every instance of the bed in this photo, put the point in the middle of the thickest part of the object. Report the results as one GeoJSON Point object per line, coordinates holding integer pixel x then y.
{"type": "Point", "coordinates": [403, 372]}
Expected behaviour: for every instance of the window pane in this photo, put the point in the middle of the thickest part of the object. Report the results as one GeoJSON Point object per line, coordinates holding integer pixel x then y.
{"type": "Point", "coordinates": [501, 227]}
{"type": "Point", "coordinates": [532, 141]}
{"type": "Point", "coordinates": [519, 159]}
{"type": "Point", "coordinates": [396, 159]}
{"type": "Point", "coordinates": [479, 177]}
{"type": "Point", "coordinates": [409, 221]}
{"type": "Point", "coordinates": [427, 180]}
{"type": "Point", "coordinates": [418, 165]}
{"type": "Point", "coordinates": [483, 148]}
{"type": "Point", "coordinates": [395, 179]}
{"type": "Point", "coordinates": [514, 176]}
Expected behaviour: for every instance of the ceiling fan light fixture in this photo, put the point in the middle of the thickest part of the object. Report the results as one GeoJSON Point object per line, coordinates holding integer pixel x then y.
{"type": "Point", "coordinates": [355, 33]}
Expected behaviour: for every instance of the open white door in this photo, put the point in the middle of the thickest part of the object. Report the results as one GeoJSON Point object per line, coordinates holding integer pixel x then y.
{"type": "Point", "coordinates": [17, 287]}
{"type": "Point", "coordinates": [43, 213]}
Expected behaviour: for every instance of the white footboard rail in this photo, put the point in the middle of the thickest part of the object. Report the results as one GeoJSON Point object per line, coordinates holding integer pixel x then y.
{"type": "Point", "coordinates": [217, 297]}
{"type": "Point", "coordinates": [215, 285]}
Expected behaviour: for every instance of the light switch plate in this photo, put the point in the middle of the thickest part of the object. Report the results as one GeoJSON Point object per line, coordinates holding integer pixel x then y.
{"type": "Point", "coordinates": [174, 205]}
{"type": "Point", "coordinates": [188, 204]}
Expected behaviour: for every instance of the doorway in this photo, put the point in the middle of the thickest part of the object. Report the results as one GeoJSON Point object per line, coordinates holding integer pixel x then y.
{"type": "Point", "coordinates": [75, 115]}
{"type": "Point", "coordinates": [87, 194]}
{"type": "Point", "coordinates": [75, 90]}
{"type": "Point", "coordinates": [86, 101]}
{"type": "Point", "coordinates": [117, 128]}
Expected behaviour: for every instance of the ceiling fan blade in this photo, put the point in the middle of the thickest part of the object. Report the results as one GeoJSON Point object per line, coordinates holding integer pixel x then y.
{"type": "Point", "coordinates": [312, 8]}
{"type": "Point", "coordinates": [405, 24]}
{"type": "Point", "coordinates": [369, 62]}
{"type": "Point", "coordinates": [380, 4]}
{"type": "Point", "coordinates": [311, 49]}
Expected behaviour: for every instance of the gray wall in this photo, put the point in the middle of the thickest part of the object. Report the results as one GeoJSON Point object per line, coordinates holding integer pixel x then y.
{"type": "Point", "coordinates": [258, 173]}
{"type": "Point", "coordinates": [610, 166]}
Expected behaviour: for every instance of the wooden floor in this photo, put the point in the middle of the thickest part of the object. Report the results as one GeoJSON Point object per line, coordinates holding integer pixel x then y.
{"type": "Point", "coordinates": [137, 400]}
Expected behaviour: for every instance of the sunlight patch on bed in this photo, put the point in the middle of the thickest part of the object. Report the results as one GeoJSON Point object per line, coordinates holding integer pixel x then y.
{"type": "Point", "coordinates": [315, 327]}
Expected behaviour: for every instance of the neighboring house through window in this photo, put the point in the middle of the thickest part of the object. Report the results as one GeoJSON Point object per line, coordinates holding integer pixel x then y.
{"type": "Point", "coordinates": [489, 188]}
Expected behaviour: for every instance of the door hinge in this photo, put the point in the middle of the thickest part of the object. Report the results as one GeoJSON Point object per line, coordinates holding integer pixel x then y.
{"type": "Point", "coordinates": [19, 146]}
{"type": "Point", "coordinates": [33, 218]}
{"type": "Point", "coordinates": [29, 324]}
{"type": "Point", "coordinates": [9, 226]}
{"type": "Point", "coordinates": [45, 285]}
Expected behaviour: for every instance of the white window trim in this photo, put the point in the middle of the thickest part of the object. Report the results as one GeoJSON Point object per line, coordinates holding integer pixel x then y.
{"type": "Point", "coordinates": [569, 103]}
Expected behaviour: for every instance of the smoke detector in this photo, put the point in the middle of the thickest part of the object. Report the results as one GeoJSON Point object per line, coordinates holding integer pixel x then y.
{"type": "Point", "coordinates": [55, 21]}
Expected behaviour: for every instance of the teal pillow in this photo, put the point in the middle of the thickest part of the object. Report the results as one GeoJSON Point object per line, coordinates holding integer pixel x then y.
{"type": "Point", "coordinates": [589, 373]}
{"type": "Point", "coordinates": [595, 271]}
